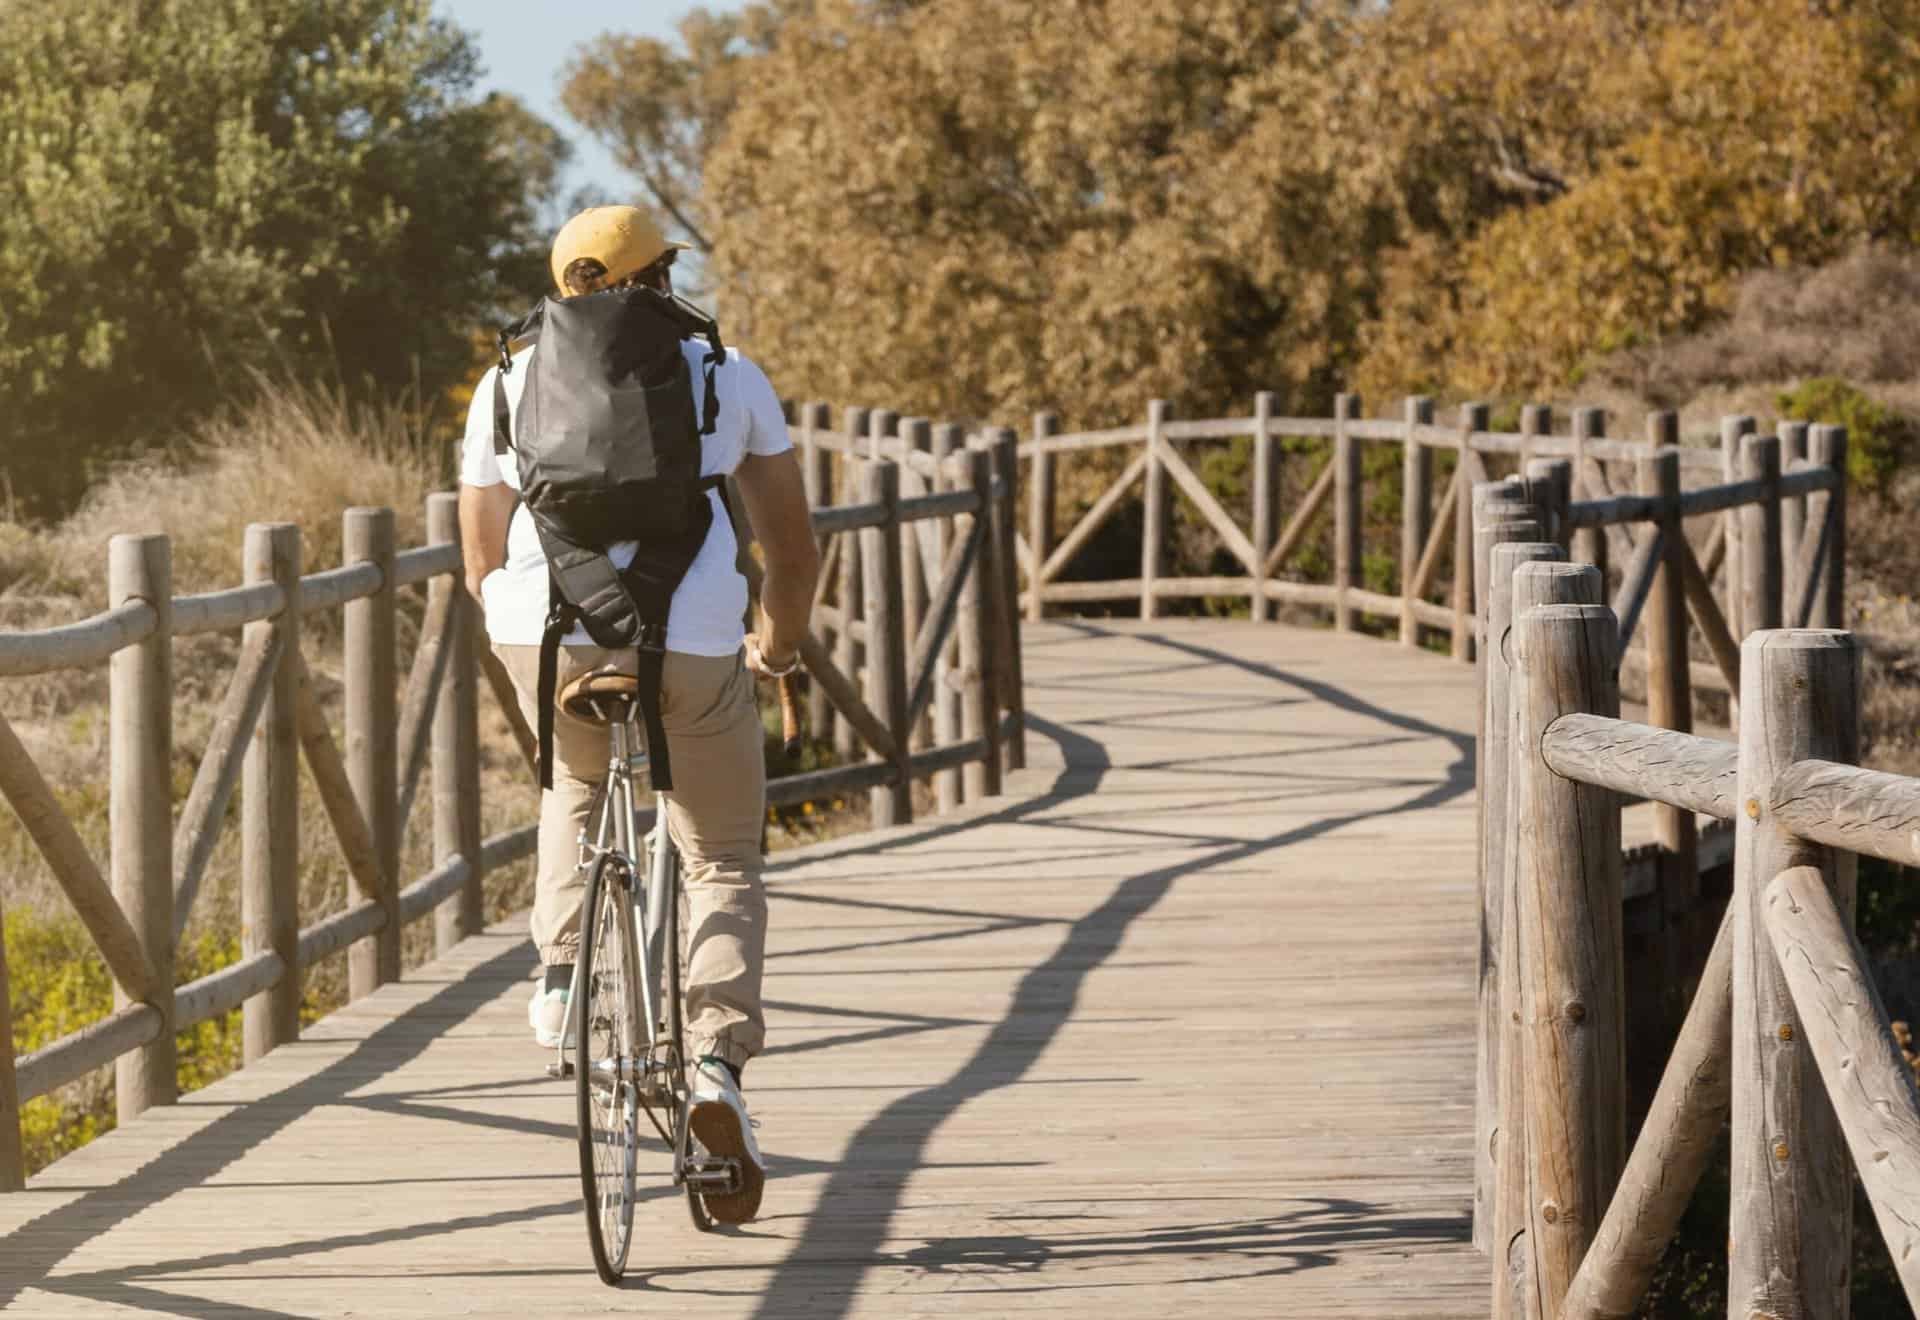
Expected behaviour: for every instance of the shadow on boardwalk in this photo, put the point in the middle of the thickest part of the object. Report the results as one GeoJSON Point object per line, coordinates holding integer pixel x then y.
{"type": "Point", "coordinates": [849, 1233]}
{"type": "Point", "coordinates": [844, 1236]}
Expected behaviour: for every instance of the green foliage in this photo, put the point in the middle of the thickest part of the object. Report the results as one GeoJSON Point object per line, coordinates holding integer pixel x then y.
{"type": "Point", "coordinates": [201, 187]}
{"type": "Point", "coordinates": [58, 983]}
{"type": "Point", "coordinates": [1877, 436]}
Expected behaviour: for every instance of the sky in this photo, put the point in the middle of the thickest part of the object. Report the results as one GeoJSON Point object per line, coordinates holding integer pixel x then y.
{"type": "Point", "coordinates": [524, 43]}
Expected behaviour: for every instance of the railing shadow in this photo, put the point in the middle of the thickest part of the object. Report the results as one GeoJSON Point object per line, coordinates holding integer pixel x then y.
{"type": "Point", "coordinates": [834, 1251]}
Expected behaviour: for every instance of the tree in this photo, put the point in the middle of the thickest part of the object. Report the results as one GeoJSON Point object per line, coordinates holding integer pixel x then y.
{"type": "Point", "coordinates": [994, 206]}
{"type": "Point", "coordinates": [660, 109]}
{"type": "Point", "coordinates": [200, 187]}
{"type": "Point", "coordinates": [1679, 146]}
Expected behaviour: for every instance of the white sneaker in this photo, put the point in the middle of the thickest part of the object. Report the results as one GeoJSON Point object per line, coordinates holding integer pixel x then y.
{"type": "Point", "coordinates": [548, 1014]}
{"type": "Point", "coordinates": [719, 1120]}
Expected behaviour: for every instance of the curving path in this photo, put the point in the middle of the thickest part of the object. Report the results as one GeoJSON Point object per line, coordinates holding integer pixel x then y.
{"type": "Point", "coordinates": [1183, 1024]}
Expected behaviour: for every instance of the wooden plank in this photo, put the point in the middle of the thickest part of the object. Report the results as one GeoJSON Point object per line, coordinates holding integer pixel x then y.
{"type": "Point", "coordinates": [880, 571]}
{"type": "Point", "coordinates": [1677, 1139]}
{"type": "Point", "coordinates": [1196, 490]}
{"type": "Point", "coordinates": [1646, 762]}
{"type": "Point", "coordinates": [367, 538]}
{"type": "Point", "coordinates": [1707, 617]}
{"type": "Point", "coordinates": [335, 790]}
{"type": "Point", "coordinates": [1346, 510]}
{"type": "Point", "coordinates": [456, 746]}
{"type": "Point", "coordinates": [1515, 586]}
{"type": "Point", "coordinates": [76, 645]}
{"type": "Point", "coordinates": [1867, 1076]}
{"type": "Point", "coordinates": [979, 661]}
{"type": "Point", "coordinates": [1568, 881]}
{"type": "Point", "coordinates": [421, 700]}
{"type": "Point", "coordinates": [937, 628]}
{"type": "Point", "coordinates": [1157, 509]}
{"type": "Point", "coordinates": [1636, 583]}
{"type": "Point", "coordinates": [225, 990]}
{"type": "Point", "coordinates": [140, 777]}
{"type": "Point", "coordinates": [1791, 1205]}
{"type": "Point", "coordinates": [94, 1046]}
{"type": "Point", "coordinates": [223, 611]}
{"type": "Point", "coordinates": [66, 856]}
{"type": "Point", "coordinates": [1416, 516]}
{"type": "Point", "coordinates": [1846, 807]}
{"type": "Point", "coordinates": [270, 805]}
{"type": "Point", "coordinates": [1033, 957]}
{"type": "Point", "coordinates": [1296, 529]}
{"type": "Point", "coordinates": [213, 782]}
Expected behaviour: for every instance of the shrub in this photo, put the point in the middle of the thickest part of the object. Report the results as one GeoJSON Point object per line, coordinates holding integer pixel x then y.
{"type": "Point", "coordinates": [1877, 436]}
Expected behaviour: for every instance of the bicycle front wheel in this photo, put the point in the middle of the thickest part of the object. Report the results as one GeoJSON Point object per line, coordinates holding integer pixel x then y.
{"type": "Point", "coordinates": [607, 1062]}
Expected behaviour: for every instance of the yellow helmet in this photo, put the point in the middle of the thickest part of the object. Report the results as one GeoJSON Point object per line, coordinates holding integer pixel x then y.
{"type": "Point", "coordinates": [624, 239]}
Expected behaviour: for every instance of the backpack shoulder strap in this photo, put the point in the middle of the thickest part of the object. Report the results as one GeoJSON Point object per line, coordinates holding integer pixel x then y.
{"type": "Point", "coordinates": [525, 330]}
{"type": "Point", "coordinates": [502, 415]}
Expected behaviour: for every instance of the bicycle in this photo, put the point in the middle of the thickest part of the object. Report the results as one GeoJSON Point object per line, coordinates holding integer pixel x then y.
{"type": "Point", "coordinates": [627, 1000]}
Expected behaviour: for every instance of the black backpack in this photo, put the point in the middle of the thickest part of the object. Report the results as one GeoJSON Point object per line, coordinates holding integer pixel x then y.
{"type": "Point", "coordinates": [608, 448]}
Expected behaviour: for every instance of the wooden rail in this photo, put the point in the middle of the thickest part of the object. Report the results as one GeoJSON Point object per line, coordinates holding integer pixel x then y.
{"type": "Point", "coordinates": [945, 516]}
{"type": "Point", "coordinates": [1574, 1222]}
{"type": "Point", "coordinates": [1784, 1036]}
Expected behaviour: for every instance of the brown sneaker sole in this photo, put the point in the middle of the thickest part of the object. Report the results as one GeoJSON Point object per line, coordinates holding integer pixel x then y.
{"type": "Point", "coordinates": [717, 1128]}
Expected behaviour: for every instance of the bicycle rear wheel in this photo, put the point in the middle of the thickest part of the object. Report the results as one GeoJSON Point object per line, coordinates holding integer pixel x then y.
{"type": "Point", "coordinates": [607, 1062]}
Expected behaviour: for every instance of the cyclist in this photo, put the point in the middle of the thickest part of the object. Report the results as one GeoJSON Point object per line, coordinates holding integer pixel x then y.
{"type": "Point", "coordinates": [717, 805]}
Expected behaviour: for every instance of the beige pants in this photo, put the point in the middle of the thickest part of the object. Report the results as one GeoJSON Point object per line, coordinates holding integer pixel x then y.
{"type": "Point", "coordinates": [714, 815]}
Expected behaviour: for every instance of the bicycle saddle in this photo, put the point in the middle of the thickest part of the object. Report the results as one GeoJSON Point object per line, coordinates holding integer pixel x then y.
{"type": "Point", "coordinates": [601, 697]}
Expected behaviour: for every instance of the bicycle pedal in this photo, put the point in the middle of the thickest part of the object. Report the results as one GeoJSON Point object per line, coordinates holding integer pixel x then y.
{"type": "Point", "coordinates": [713, 1176]}
{"type": "Point", "coordinates": [560, 1070]}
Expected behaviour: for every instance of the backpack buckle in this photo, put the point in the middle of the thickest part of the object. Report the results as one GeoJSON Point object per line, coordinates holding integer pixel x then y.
{"type": "Point", "coordinates": [653, 638]}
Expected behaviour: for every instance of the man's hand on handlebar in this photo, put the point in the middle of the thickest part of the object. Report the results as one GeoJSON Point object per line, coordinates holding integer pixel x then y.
{"type": "Point", "coordinates": [767, 663]}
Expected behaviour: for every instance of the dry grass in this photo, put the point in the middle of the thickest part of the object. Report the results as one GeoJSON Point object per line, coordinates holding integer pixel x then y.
{"type": "Point", "coordinates": [1852, 318]}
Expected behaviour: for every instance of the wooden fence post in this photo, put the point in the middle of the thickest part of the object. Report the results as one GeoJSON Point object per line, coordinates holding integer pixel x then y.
{"type": "Point", "coordinates": [916, 437]}
{"type": "Point", "coordinates": [1416, 511]}
{"type": "Point", "coordinates": [1589, 424]}
{"type": "Point", "coordinates": [817, 471]}
{"type": "Point", "coordinates": [1550, 487]}
{"type": "Point", "coordinates": [1731, 429]}
{"type": "Point", "coordinates": [456, 742]}
{"type": "Point", "coordinates": [140, 721]}
{"type": "Point", "coordinates": [1498, 520]}
{"type": "Point", "coordinates": [1830, 595]}
{"type": "Point", "coordinates": [846, 650]}
{"type": "Point", "coordinates": [1792, 1190]}
{"type": "Point", "coordinates": [1006, 457]}
{"type": "Point", "coordinates": [946, 701]}
{"type": "Point", "coordinates": [1266, 503]}
{"type": "Point", "coordinates": [1761, 586]}
{"type": "Point", "coordinates": [1346, 511]}
{"type": "Point", "coordinates": [1670, 705]}
{"type": "Point", "coordinates": [372, 728]}
{"type": "Point", "coordinates": [1155, 510]}
{"type": "Point", "coordinates": [1513, 587]}
{"type": "Point", "coordinates": [1568, 879]}
{"type": "Point", "coordinates": [980, 703]}
{"type": "Point", "coordinates": [882, 425]}
{"type": "Point", "coordinates": [891, 804]}
{"type": "Point", "coordinates": [1536, 423]}
{"type": "Point", "coordinates": [1793, 512]}
{"type": "Point", "coordinates": [1040, 509]}
{"type": "Point", "coordinates": [1473, 417]}
{"type": "Point", "coordinates": [270, 803]}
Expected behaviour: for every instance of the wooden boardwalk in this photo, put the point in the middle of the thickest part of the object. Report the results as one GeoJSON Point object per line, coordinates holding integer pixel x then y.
{"type": "Point", "coordinates": [1181, 1025]}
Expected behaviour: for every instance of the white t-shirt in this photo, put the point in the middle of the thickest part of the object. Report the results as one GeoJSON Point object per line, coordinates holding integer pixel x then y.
{"type": "Point", "coordinates": [710, 606]}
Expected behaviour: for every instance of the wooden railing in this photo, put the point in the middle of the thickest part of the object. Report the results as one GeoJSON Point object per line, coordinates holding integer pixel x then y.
{"type": "Point", "coordinates": [941, 647]}
{"type": "Point", "coordinates": [1775, 535]}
